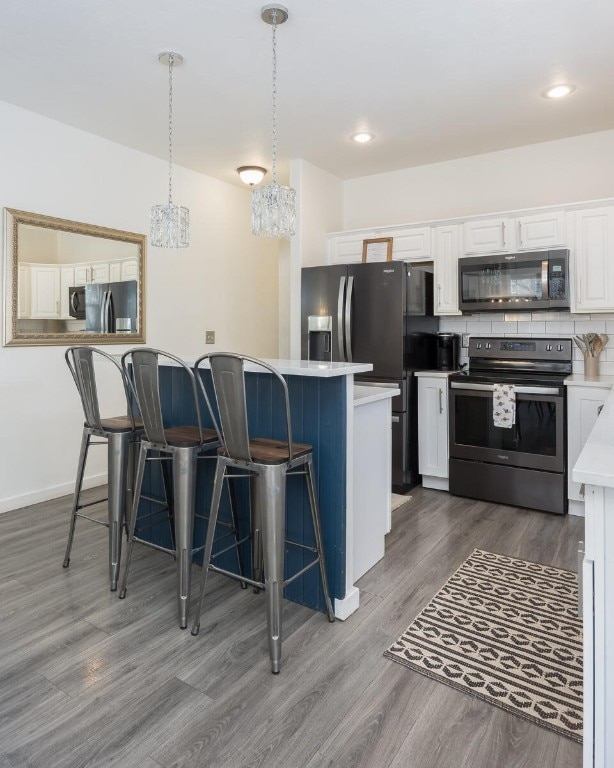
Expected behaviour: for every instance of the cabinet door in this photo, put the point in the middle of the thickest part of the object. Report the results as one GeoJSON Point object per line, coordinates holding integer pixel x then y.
{"type": "Point", "coordinates": [23, 292]}
{"type": "Point", "coordinates": [488, 236]}
{"type": "Point", "coordinates": [45, 292]}
{"type": "Point", "coordinates": [446, 250]}
{"type": "Point", "coordinates": [583, 406]}
{"type": "Point", "coordinates": [82, 274]}
{"type": "Point", "coordinates": [115, 271]}
{"type": "Point", "coordinates": [541, 230]}
{"type": "Point", "coordinates": [100, 272]}
{"type": "Point", "coordinates": [67, 281]}
{"type": "Point", "coordinates": [410, 243]}
{"type": "Point", "coordinates": [593, 258]}
{"type": "Point", "coordinates": [130, 270]}
{"type": "Point", "coordinates": [347, 249]}
{"type": "Point", "coordinates": [433, 426]}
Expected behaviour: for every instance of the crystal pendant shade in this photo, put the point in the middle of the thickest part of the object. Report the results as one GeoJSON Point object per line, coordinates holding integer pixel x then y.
{"type": "Point", "coordinates": [170, 226]}
{"type": "Point", "coordinates": [273, 211]}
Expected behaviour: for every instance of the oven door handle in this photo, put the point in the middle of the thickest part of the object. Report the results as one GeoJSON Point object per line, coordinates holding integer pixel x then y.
{"type": "Point", "coordinates": [517, 390]}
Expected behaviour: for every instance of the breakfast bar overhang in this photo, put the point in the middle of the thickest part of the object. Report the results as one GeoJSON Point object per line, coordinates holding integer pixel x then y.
{"type": "Point", "coordinates": [323, 402]}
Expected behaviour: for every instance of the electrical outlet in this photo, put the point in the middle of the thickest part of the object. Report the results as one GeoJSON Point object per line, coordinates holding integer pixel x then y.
{"type": "Point", "coordinates": [465, 341]}
{"type": "Point", "coordinates": [209, 337]}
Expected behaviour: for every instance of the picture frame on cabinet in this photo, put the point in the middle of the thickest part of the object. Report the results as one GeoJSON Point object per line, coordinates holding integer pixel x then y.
{"type": "Point", "coordinates": [377, 249]}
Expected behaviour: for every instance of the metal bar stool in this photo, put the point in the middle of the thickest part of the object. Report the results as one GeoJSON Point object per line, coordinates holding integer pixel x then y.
{"type": "Point", "coordinates": [268, 462]}
{"type": "Point", "coordinates": [183, 446]}
{"type": "Point", "coordinates": [121, 434]}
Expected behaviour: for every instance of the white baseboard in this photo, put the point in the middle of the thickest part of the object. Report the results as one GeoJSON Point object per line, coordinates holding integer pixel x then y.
{"type": "Point", "coordinates": [347, 606]}
{"type": "Point", "coordinates": [439, 483]}
{"type": "Point", "coordinates": [46, 494]}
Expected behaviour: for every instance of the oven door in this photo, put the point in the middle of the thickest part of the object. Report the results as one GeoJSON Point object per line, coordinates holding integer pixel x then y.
{"type": "Point", "coordinates": [535, 441]}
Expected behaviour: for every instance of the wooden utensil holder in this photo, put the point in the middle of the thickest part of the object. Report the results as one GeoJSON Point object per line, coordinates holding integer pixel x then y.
{"type": "Point", "coordinates": [591, 368]}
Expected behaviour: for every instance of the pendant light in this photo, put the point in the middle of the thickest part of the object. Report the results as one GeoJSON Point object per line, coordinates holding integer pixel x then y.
{"type": "Point", "coordinates": [274, 206]}
{"type": "Point", "coordinates": [170, 223]}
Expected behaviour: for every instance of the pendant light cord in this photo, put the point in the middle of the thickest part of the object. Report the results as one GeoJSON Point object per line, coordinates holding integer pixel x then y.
{"type": "Point", "coordinates": [274, 137]}
{"type": "Point", "coordinates": [170, 128]}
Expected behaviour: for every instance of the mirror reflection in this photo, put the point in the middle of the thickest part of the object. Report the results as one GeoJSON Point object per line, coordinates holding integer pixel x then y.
{"type": "Point", "coordinates": [68, 282]}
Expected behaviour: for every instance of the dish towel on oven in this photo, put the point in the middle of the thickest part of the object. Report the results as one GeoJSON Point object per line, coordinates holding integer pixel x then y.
{"type": "Point", "coordinates": [504, 406]}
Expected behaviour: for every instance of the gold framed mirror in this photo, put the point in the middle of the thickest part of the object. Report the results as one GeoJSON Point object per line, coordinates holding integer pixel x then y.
{"type": "Point", "coordinates": [71, 283]}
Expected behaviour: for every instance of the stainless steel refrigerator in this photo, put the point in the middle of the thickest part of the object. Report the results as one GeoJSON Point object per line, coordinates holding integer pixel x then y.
{"type": "Point", "coordinates": [111, 307]}
{"type": "Point", "coordinates": [380, 313]}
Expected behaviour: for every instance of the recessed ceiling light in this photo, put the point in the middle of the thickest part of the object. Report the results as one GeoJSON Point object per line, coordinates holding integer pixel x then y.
{"type": "Point", "coordinates": [559, 91]}
{"type": "Point", "coordinates": [362, 137]}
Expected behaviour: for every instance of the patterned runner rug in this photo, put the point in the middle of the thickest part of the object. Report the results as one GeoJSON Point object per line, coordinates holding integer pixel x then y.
{"type": "Point", "coordinates": [507, 631]}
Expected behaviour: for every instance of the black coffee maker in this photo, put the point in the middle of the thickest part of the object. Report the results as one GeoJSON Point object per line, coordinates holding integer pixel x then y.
{"type": "Point", "coordinates": [448, 351]}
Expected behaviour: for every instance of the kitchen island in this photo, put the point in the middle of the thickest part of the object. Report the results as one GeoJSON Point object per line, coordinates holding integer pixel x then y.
{"type": "Point", "coordinates": [323, 403]}
{"type": "Point", "coordinates": [595, 469]}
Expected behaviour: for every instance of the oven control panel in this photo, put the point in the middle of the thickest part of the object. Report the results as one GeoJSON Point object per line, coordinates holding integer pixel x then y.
{"type": "Point", "coordinates": [520, 349]}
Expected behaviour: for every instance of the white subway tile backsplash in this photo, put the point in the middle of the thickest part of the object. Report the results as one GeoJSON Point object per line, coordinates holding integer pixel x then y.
{"type": "Point", "coordinates": [453, 326]}
{"type": "Point", "coordinates": [517, 317]}
{"type": "Point", "coordinates": [606, 369]}
{"type": "Point", "coordinates": [545, 316]}
{"type": "Point", "coordinates": [561, 327]}
{"type": "Point", "coordinates": [476, 327]}
{"type": "Point", "coordinates": [505, 328]}
{"type": "Point", "coordinates": [489, 317]}
{"type": "Point", "coordinates": [532, 328]}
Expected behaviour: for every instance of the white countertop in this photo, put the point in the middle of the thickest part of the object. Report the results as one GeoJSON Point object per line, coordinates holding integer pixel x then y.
{"type": "Point", "coordinates": [578, 380]}
{"type": "Point", "coordinates": [595, 465]}
{"type": "Point", "coordinates": [365, 393]}
{"type": "Point", "coordinates": [303, 367]}
{"type": "Point", "coordinates": [435, 374]}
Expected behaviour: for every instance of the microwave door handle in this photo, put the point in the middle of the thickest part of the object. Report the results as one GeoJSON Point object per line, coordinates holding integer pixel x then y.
{"type": "Point", "coordinates": [545, 290]}
{"type": "Point", "coordinates": [74, 301]}
{"type": "Point", "coordinates": [348, 319]}
{"type": "Point", "coordinates": [340, 328]}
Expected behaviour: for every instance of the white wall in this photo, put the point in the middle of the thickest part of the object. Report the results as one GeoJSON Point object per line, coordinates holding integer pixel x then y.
{"type": "Point", "coordinates": [319, 211]}
{"type": "Point", "coordinates": [226, 281]}
{"type": "Point", "coordinates": [563, 171]}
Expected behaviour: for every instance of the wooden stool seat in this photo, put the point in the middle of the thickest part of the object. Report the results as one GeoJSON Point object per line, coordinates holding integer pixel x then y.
{"type": "Point", "coordinates": [120, 424]}
{"type": "Point", "coordinates": [263, 450]}
{"type": "Point", "coordinates": [189, 437]}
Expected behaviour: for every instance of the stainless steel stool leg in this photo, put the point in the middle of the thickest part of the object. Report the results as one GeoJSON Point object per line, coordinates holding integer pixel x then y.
{"type": "Point", "coordinates": [184, 490]}
{"type": "Point", "coordinates": [235, 525]}
{"type": "Point", "coordinates": [118, 450]}
{"type": "Point", "coordinates": [138, 482]}
{"type": "Point", "coordinates": [215, 506]}
{"type": "Point", "coordinates": [256, 516]}
{"type": "Point", "coordinates": [317, 529]}
{"type": "Point", "coordinates": [85, 444]}
{"type": "Point", "coordinates": [272, 498]}
{"type": "Point", "coordinates": [133, 450]}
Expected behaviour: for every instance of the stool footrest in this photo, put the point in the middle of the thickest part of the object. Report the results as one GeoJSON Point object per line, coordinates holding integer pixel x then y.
{"type": "Point", "coordinates": [236, 576]}
{"type": "Point", "coordinates": [301, 572]}
{"type": "Point", "coordinates": [92, 503]}
{"type": "Point", "coordinates": [92, 519]}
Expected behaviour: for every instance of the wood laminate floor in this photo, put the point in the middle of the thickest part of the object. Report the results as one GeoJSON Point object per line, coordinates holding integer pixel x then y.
{"type": "Point", "coordinates": [89, 680]}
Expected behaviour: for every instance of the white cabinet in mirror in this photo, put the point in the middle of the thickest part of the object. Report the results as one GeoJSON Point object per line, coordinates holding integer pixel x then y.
{"type": "Point", "coordinates": [60, 274]}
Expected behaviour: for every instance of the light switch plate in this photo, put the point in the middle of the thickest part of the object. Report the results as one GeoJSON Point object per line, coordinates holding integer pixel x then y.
{"type": "Point", "coordinates": [209, 337]}
{"type": "Point", "coordinates": [465, 341]}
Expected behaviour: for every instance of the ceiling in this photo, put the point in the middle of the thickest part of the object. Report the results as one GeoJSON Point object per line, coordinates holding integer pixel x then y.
{"type": "Point", "coordinates": [434, 79]}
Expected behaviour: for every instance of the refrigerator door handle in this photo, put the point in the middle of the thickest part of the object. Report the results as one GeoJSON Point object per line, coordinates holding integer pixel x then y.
{"type": "Point", "coordinates": [340, 328]}
{"type": "Point", "coordinates": [103, 313]}
{"type": "Point", "coordinates": [348, 319]}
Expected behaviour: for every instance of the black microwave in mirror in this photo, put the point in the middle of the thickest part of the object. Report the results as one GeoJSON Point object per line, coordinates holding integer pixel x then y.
{"type": "Point", "coordinates": [76, 302]}
{"type": "Point", "coordinates": [514, 281]}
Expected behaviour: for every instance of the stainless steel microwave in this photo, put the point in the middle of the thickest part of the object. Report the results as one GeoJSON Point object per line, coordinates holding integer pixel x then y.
{"type": "Point", "coordinates": [514, 281]}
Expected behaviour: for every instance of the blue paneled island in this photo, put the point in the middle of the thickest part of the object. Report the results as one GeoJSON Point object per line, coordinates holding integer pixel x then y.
{"type": "Point", "coordinates": [322, 401]}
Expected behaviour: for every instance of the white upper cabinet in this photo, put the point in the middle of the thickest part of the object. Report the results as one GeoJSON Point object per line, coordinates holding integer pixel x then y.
{"type": "Point", "coordinates": [82, 274]}
{"type": "Point", "coordinates": [115, 271]}
{"type": "Point", "coordinates": [540, 230]}
{"type": "Point", "coordinates": [446, 250]}
{"type": "Point", "coordinates": [44, 291]}
{"type": "Point", "coordinates": [67, 281]}
{"type": "Point", "coordinates": [593, 260]}
{"type": "Point", "coordinates": [130, 270]}
{"type": "Point", "coordinates": [488, 235]}
{"type": "Point", "coordinates": [100, 272]}
{"type": "Point", "coordinates": [346, 249]}
{"type": "Point", "coordinates": [410, 244]}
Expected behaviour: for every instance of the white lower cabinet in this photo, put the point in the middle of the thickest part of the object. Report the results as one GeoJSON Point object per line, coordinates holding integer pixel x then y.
{"type": "Point", "coordinates": [433, 429]}
{"type": "Point", "coordinates": [584, 403]}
